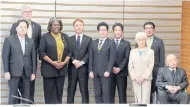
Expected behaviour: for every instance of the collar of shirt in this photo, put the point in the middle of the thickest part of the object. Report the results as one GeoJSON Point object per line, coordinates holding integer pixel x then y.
{"type": "Point", "coordinates": [81, 35]}
{"type": "Point", "coordinates": [119, 40]}
{"type": "Point", "coordinates": [151, 38]}
{"type": "Point", "coordinates": [21, 39]}
{"type": "Point", "coordinates": [172, 69]}
{"type": "Point", "coordinates": [103, 39]}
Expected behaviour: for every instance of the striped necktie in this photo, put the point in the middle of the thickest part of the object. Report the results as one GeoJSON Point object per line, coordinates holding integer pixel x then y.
{"type": "Point", "coordinates": [100, 45]}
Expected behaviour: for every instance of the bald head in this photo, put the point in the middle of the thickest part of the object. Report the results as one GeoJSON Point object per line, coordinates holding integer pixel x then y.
{"type": "Point", "coordinates": [171, 60]}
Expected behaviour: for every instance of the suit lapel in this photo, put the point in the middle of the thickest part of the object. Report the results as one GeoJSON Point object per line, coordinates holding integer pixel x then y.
{"type": "Point", "coordinates": [170, 75]}
{"type": "Point", "coordinates": [96, 44]}
{"type": "Point", "coordinates": [105, 44]}
{"type": "Point", "coordinates": [63, 39]}
{"type": "Point", "coordinates": [121, 44]}
{"type": "Point", "coordinates": [26, 45]}
{"type": "Point", "coordinates": [33, 29]}
{"type": "Point", "coordinates": [153, 42]}
{"type": "Point", "coordinates": [82, 42]}
{"type": "Point", "coordinates": [17, 42]}
{"type": "Point", "coordinates": [176, 75]}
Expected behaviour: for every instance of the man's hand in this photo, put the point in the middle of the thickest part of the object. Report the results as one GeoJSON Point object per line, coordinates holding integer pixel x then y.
{"type": "Point", "coordinates": [32, 77]}
{"type": "Point", "coordinates": [175, 89]}
{"type": "Point", "coordinates": [91, 75]}
{"type": "Point", "coordinates": [116, 70]}
{"type": "Point", "coordinates": [106, 74]}
{"type": "Point", "coordinates": [76, 63]}
{"type": "Point", "coordinates": [170, 89]}
{"type": "Point", "coordinates": [7, 76]}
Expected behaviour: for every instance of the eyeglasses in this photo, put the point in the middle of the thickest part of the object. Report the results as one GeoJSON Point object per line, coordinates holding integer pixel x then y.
{"type": "Point", "coordinates": [27, 11]}
{"type": "Point", "coordinates": [148, 28]}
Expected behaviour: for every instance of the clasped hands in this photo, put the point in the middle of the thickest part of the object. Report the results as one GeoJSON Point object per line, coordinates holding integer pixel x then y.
{"type": "Point", "coordinates": [77, 63]}
{"type": "Point", "coordinates": [172, 89]}
{"type": "Point", "coordinates": [139, 80]}
{"type": "Point", "coordinates": [58, 64]}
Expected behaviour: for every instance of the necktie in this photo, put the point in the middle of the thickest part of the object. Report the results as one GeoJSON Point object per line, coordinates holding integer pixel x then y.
{"type": "Point", "coordinates": [173, 74]}
{"type": "Point", "coordinates": [78, 42]}
{"type": "Point", "coordinates": [100, 45]}
{"type": "Point", "coordinates": [149, 42]}
{"type": "Point", "coordinates": [117, 44]}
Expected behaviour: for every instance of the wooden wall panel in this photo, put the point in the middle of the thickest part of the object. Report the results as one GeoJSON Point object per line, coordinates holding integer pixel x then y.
{"type": "Point", "coordinates": [185, 38]}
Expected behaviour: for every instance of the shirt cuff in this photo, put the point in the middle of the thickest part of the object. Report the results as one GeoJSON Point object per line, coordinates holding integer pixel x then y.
{"type": "Point", "coordinates": [82, 63]}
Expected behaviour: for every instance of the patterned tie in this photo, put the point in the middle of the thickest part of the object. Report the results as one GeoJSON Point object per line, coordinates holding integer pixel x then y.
{"type": "Point", "coordinates": [100, 45]}
{"type": "Point", "coordinates": [78, 42]}
{"type": "Point", "coordinates": [173, 74]}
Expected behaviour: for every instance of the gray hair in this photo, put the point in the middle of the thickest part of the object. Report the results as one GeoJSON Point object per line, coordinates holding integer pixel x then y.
{"type": "Point", "coordinates": [140, 36]}
{"type": "Point", "coordinates": [24, 7]}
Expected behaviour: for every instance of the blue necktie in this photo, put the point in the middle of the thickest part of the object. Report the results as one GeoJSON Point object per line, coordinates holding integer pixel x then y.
{"type": "Point", "coordinates": [78, 42]}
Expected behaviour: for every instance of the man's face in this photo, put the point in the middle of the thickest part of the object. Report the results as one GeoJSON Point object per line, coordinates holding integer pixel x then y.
{"type": "Point", "coordinates": [79, 27]}
{"type": "Point", "coordinates": [118, 32]}
{"type": "Point", "coordinates": [103, 31]}
{"type": "Point", "coordinates": [27, 14]}
{"type": "Point", "coordinates": [22, 28]}
{"type": "Point", "coordinates": [172, 61]}
{"type": "Point", "coordinates": [149, 30]}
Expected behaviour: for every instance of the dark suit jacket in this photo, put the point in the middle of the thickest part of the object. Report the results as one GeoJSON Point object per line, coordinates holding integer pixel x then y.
{"type": "Point", "coordinates": [103, 61]}
{"type": "Point", "coordinates": [164, 78]}
{"type": "Point", "coordinates": [48, 48]}
{"type": "Point", "coordinates": [13, 58]}
{"type": "Point", "coordinates": [159, 52]}
{"type": "Point", "coordinates": [82, 54]}
{"type": "Point", "coordinates": [122, 57]}
{"type": "Point", "coordinates": [36, 32]}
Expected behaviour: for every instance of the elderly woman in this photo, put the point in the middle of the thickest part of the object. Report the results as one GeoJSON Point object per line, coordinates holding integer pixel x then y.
{"type": "Point", "coordinates": [141, 62]}
{"type": "Point", "coordinates": [54, 52]}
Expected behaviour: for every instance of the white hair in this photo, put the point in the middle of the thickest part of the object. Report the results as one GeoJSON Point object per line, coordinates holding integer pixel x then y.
{"type": "Point", "coordinates": [140, 36]}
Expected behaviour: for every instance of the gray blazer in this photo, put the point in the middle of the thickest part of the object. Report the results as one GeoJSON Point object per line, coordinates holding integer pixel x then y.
{"type": "Point", "coordinates": [164, 78]}
{"type": "Point", "coordinates": [103, 61]}
{"type": "Point", "coordinates": [14, 61]}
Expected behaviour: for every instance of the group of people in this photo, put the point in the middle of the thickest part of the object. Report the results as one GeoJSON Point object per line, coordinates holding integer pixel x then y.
{"type": "Point", "coordinates": [106, 61]}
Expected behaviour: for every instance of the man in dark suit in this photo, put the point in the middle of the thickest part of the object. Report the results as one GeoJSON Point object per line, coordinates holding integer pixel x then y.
{"type": "Point", "coordinates": [120, 69]}
{"type": "Point", "coordinates": [78, 66]}
{"type": "Point", "coordinates": [157, 45]}
{"type": "Point", "coordinates": [101, 60]}
{"type": "Point", "coordinates": [172, 82]}
{"type": "Point", "coordinates": [19, 61]}
{"type": "Point", "coordinates": [34, 32]}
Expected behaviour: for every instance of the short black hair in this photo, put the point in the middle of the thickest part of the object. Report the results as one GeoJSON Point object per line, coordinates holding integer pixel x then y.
{"type": "Point", "coordinates": [102, 24]}
{"type": "Point", "coordinates": [149, 23]}
{"type": "Point", "coordinates": [53, 20]}
{"type": "Point", "coordinates": [117, 24]}
{"type": "Point", "coordinates": [22, 20]}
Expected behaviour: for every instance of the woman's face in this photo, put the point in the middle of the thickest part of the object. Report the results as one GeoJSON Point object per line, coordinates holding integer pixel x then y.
{"type": "Point", "coordinates": [141, 43]}
{"type": "Point", "coordinates": [22, 28]}
{"type": "Point", "coordinates": [55, 28]}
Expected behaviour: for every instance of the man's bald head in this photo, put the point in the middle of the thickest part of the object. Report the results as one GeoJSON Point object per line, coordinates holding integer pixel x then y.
{"type": "Point", "coordinates": [171, 60]}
